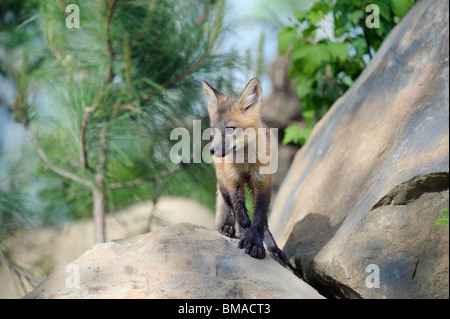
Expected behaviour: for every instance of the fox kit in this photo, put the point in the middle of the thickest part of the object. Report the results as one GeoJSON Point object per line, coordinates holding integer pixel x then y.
{"type": "Point", "coordinates": [238, 130]}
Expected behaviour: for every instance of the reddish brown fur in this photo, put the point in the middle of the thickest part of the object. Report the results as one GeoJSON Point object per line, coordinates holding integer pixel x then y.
{"type": "Point", "coordinates": [243, 113]}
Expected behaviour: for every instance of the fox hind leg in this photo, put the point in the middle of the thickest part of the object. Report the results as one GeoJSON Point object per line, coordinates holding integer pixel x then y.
{"type": "Point", "coordinates": [272, 246]}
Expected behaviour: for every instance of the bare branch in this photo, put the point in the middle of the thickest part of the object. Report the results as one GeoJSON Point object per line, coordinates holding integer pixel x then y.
{"type": "Point", "coordinates": [49, 163]}
{"type": "Point", "coordinates": [111, 7]}
{"type": "Point", "coordinates": [86, 118]}
{"type": "Point", "coordinates": [19, 271]}
{"type": "Point", "coordinates": [102, 148]}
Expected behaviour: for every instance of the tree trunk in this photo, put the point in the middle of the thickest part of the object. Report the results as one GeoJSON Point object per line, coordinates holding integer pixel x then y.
{"type": "Point", "coordinates": [152, 214]}
{"type": "Point", "coordinates": [99, 191]}
{"type": "Point", "coordinates": [99, 215]}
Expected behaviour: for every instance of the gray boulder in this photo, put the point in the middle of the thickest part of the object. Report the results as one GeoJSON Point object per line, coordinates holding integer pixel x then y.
{"type": "Point", "coordinates": [179, 261]}
{"type": "Point", "coordinates": [356, 213]}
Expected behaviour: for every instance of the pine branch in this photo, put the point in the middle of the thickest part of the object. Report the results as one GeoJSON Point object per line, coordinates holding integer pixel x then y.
{"type": "Point", "coordinates": [150, 179]}
{"type": "Point", "coordinates": [217, 25]}
{"type": "Point", "coordinates": [50, 38]}
{"type": "Point", "coordinates": [127, 58]}
{"type": "Point", "coordinates": [194, 66]}
{"type": "Point", "coordinates": [54, 168]}
{"type": "Point", "coordinates": [132, 105]}
{"type": "Point", "coordinates": [111, 7]}
{"type": "Point", "coordinates": [204, 15]}
{"type": "Point", "coordinates": [133, 108]}
{"type": "Point", "coordinates": [184, 74]}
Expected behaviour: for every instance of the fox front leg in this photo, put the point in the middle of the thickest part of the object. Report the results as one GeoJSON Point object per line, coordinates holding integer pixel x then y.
{"type": "Point", "coordinates": [226, 216]}
{"type": "Point", "coordinates": [237, 198]}
{"type": "Point", "coordinates": [251, 237]}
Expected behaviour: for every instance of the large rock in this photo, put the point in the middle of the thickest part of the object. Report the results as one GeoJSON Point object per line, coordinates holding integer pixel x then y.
{"type": "Point", "coordinates": [180, 261]}
{"type": "Point", "coordinates": [357, 209]}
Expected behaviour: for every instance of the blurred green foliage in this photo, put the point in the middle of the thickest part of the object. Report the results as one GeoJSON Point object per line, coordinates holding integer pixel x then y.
{"type": "Point", "coordinates": [331, 44]}
{"type": "Point", "coordinates": [444, 220]}
{"type": "Point", "coordinates": [133, 70]}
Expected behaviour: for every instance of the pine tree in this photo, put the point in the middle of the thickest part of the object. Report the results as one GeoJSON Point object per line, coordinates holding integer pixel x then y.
{"type": "Point", "coordinates": [98, 101]}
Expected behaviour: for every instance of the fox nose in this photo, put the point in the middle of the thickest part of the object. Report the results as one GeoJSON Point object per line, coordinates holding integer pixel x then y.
{"type": "Point", "coordinates": [211, 151]}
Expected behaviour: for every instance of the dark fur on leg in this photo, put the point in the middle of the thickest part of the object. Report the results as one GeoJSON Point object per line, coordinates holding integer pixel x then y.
{"type": "Point", "coordinates": [273, 248]}
{"type": "Point", "coordinates": [227, 218]}
{"type": "Point", "coordinates": [252, 238]}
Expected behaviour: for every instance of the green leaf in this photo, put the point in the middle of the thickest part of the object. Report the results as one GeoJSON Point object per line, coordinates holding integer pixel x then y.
{"type": "Point", "coordinates": [338, 50]}
{"type": "Point", "coordinates": [301, 15]}
{"type": "Point", "coordinates": [296, 135]}
{"type": "Point", "coordinates": [324, 6]}
{"type": "Point", "coordinates": [355, 16]}
{"type": "Point", "coordinates": [311, 56]}
{"type": "Point", "coordinates": [360, 45]}
{"type": "Point", "coordinates": [286, 37]}
{"type": "Point", "coordinates": [303, 85]}
{"type": "Point", "coordinates": [324, 70]}
{"type": "Point", "coordinates": [385, 11]}
{"type": "Point", "coordinates": [318, 55]}
{"type": "Point", "coordinates": [314, 17]}
{"type": "Point", "coordinates": [305, 133]}
{"type": "Point", "coordinates": [401, 7]}
{"type": "Point", "coordinates": [309, 116]}
{"type": "Point", "coordinates": [290, 134]}
{"type": "Point", "coordinates": [309, 31]}
{"type": "Point", "coordinates": [443, 221]}
{"type": "Point", "coordinates": [300, 50]}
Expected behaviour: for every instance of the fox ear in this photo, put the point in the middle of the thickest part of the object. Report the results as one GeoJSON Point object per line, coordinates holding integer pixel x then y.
{"type": "Point", "coordinates": [251, 96]}
{"type": "Point", "coordinates": [211, 94]}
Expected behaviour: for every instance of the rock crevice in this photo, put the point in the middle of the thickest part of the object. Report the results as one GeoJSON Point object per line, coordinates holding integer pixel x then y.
{"type": "Point", "coordinates": [411, 190]}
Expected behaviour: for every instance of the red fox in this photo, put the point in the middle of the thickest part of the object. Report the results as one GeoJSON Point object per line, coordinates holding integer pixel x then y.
{"type": "Point", "coordinates": [229, 118]}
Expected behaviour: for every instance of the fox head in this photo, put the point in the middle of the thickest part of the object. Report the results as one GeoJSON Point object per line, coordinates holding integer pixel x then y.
{"type": "Point", "coordinates": [232, 118]}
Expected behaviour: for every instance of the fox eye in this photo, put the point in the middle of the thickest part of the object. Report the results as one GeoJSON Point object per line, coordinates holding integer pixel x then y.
{"type": "Point", "coordinates": [229, 130]}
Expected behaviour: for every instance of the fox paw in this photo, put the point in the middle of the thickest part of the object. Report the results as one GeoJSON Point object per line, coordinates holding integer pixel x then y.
{"type": "Point", "coordinates": [227, 230]}
{"type": "Point", "coordinates": [253, 246]}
